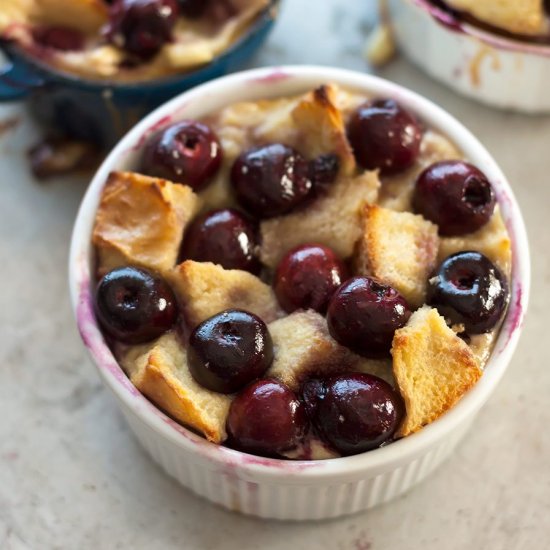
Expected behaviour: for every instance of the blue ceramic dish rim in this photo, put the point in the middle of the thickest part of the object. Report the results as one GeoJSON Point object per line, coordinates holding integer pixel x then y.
{"type": "Point", "coordinates": [27, 73]}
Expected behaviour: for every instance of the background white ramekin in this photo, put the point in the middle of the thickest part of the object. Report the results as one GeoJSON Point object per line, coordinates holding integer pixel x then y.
{"type": "Point", "coordinates": [275, 488]}
{"type": "Point", "coordinates": [499, 71]}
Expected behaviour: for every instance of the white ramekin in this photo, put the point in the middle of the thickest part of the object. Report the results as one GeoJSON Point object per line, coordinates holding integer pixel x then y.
{"type": "Point", "coordinates": [499, 71]}
{"type": "Point", "coordinates": [274, 488]}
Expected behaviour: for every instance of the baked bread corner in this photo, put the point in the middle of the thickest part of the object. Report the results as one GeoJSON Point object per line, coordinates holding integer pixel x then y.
{"type": "Point", "coordinates": [204, 289]}
{"type": "Point", "coordinates": [140, 221]}
{"type": "Point", "coordinates": [162, 375]}
{"type": "Point", "coordinates": [304, 347]}
{"type": "Point", "coordinates": [333, 220]}
{"type": "Point", "coordinates": [321, 128]}
{"type": "Point", "coordinates": [399, 249]}
{"type": "Point", "coordinates": [433, 368]}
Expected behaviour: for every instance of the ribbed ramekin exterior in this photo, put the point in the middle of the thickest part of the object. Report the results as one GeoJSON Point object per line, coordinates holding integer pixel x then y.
{"type": "Point", "coordinates": [296, 500]}
{"type": "Point", "coordinates": [504, 74]}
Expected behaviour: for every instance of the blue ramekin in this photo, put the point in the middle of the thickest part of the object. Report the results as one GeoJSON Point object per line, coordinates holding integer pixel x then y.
{"type": "Point", "coordinates": [102, 112]}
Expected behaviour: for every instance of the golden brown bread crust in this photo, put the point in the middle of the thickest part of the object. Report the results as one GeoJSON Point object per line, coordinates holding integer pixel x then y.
{"type": "Point", "coordinates": [204, 289]}
{"type": "Point", "coordinates": [140, 221]}
{"type": "Point", "coordinates": [399, 249]}
{"type": "Point", "coordinates": [433, 368]}
{"type": "Point", "coordinates": [333, 220]}
{"type": "Point", "coordinates": [161, 373]}
{"type": "Point", "coordinates": [304, 347]}
{"type": "Point", "coordinates": [321, 128]}
{"type": "Point", "coordinates": [516, 16]}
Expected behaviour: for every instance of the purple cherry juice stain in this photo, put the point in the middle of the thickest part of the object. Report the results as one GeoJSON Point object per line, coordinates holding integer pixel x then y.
{"type": "Point", "coordinates": [274, 77]}
{"type": "Point", "coordinates": [516, 312]}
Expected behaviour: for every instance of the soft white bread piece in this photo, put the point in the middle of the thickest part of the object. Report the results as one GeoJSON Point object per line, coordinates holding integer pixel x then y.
{"type": "Point", "coordinates": [399, 249]}
{"type": "Point", "coordinates": [303, 347]}
{"type": "Point", "coordinates": [140, 221]}
{"type": "Point", "coordinates": [204, 289]}
{"type": "Point", "coordinates": [161, 373]}
{"type": "Point", "coordinates": [433, 368]}
{"type": "Point", "coordinates": [321, 128]}
{"type": "Point", "coordinates": [492, 240]}
{"type": "Point", "coordinates": [396, 192]}
{"type": "Point", "coordinates": [516, 16]}
{"type": "Point", "coordinates": [333, 220]}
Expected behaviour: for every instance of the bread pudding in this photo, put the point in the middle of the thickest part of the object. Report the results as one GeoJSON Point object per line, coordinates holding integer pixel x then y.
{"type": "Point", "coordinates": [302, 277]}
{"type": "Point", "coordinates": [526, 18]}
{"type": "Point", "coordinates": [126, 40]}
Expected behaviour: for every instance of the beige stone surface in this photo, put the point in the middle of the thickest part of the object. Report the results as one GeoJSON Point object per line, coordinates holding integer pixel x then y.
{"type": "Point", "coordinates": [73, 477]}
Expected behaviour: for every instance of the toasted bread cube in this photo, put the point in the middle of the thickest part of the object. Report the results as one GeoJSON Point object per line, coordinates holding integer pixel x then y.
{"type": "Point", "coordinates": [399, 249]}
{"type": "Point", "coordinates": [204, 289]}
{"type": "Point", "coordinates": [303, 347]}
{"type": "Point", "coordinates": [433, 368]}
{"type": "Point", "coordinates": [140, 221]}
{"type": "Point", "coordinates": [162, 374]}
{"type": "Point", "coordinates": [492, 240]}
{"type": "Point", "coordinates": [321, 128]}
{"type": "Point", "coordinates": [333, 220]}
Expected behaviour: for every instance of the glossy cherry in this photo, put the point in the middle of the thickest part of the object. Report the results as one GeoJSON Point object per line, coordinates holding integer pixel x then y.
{"type": "Point", "coordinates": [134, 305]}
{"type": "Point", "coordinates": [455, 195]}
{"type": "Point", "coordinates": [363, 314]}
{"type": "Point", "coordinates": [469, 289]}
{"type": "Point", "coordinates": [59, 38]}
{"type": "Point", "coordinates": [141, 27]}
{"type": "Point", "coordinates": [266, 418]}
{"type": "Point", "coordinates": [323, 171]}
{"type": "Point", "coordinates": [385, 136]}
{"type": "Point", "coordinates": [271, 180]}
{"type": "Point", "coordinates": [353, 412]}
{"type": "Point", "coordinates": [188, 152]}
{"type": "Point", "coordinates": [307, 277]}
{"type": "Point", "coordinates": [229, 350]}
{"type": "Point", "coordinates": [225, 237]}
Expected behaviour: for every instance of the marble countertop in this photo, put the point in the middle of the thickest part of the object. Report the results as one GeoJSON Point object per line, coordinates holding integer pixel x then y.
{"type": "Point", "coordinates": [73, 477]}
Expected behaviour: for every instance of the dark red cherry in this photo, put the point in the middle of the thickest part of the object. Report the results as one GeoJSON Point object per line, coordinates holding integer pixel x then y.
{"type": "Point", "coordinates": [266, 418]}
{"type": "Point", "coordinates": [134, 306]}
{"type": "Point", "coordinates": [468, 288]}
{"type": "Point", "coordinates": [323, 171]}
{"type": "Point", "coordinates": [455, 195]}
{"type": "Point", "coordinates": [229, 350]}
{"type": "Point", "coordinates": [353, 412]}
{"type": "Point", "coordinates": [141, 27]}
{"type": "Point", "coordinates": [225, 237]}
{"type": "Point", "coordinates": [193, 8]}
{"type": "Point", "coordinates": [188, 152]}
{"type": "Point", "coordinates": [59, 38]}
{"type": "Point", "coordinates": [364, 314]}
{"type": "Point", "coordinates": [307, 277]}
{"type": "Point", "coordinates": [271, 180]}
{"type": "Point", "coordinates": [384, 135]}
